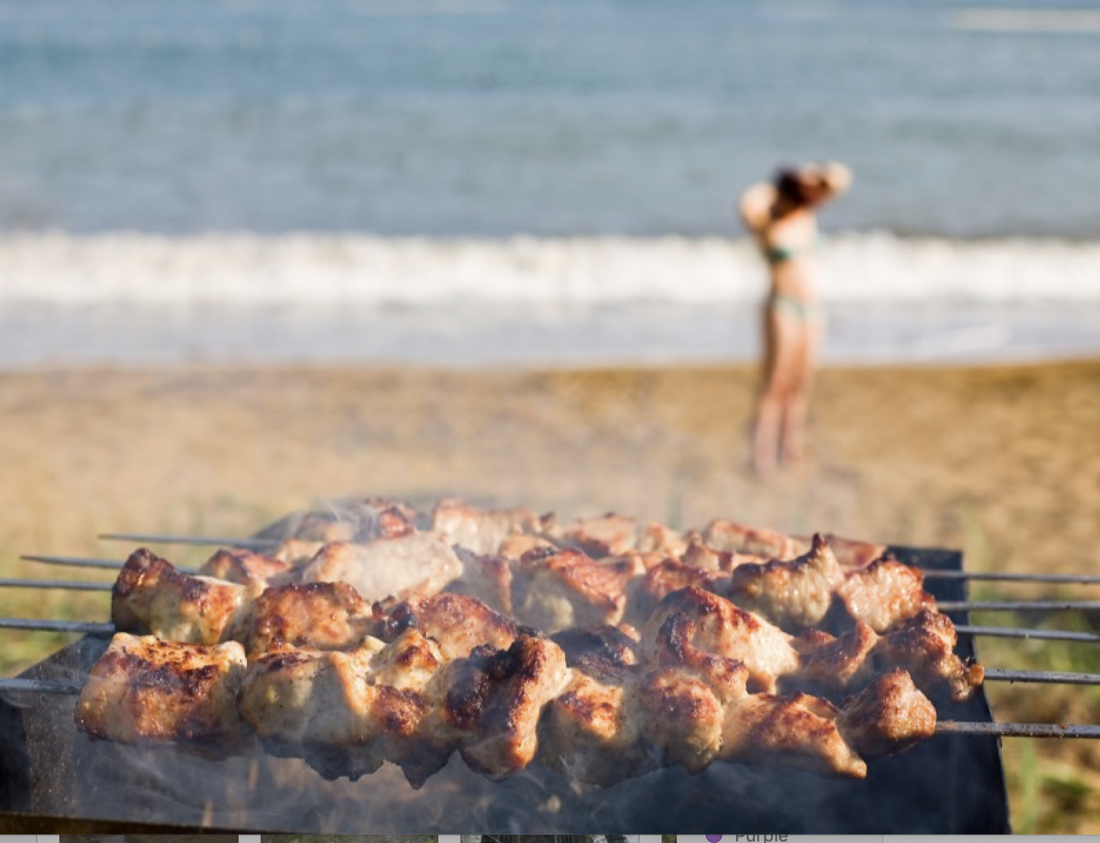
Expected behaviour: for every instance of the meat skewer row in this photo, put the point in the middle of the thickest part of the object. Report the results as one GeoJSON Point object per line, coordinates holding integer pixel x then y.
{"type": "Point", "coordinates": [152, 597]}
{"type": "Point", "coordinates": [347, 712]}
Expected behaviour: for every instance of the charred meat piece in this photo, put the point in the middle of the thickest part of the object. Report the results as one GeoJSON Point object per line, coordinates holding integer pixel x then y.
{"type": "Point", "coordinates": [887, 716]}
{"type": "Point", "coordinates": [145, 690]}
{"type": "Point", "coordinates": [321, 706]}
{"type": "Point", "coordinates": [885, 594]}
{"type": "Point", "coordinates": [572, 589]}
{"type": "Point", "coordinates": [320, 615]}
{"type": "Point", "coordinates": [477, 530]}
{"type": "Point", "coordinates": [925, 647]}
{"type": "Point", "coordinates": [731, 537]}
{"type": "Point", "coordinates": [669, 576]}
{"type": "Point", "coordinates": [794, 594]}
{"type": "Point", "coordinates": [852, 554]}
{"type": "Point", "coordinates": [605, 535]}
{"type": "Point", "coordinates": [488, 578]}
{"type": "Point", "coordinates": [245, 568]}
{"type": "Point", "coordinates": [152, 596]}
{"type": "Point", "coordinates": [456, 622]}
{"type": "Point", "coordinates": [691, 623]}
{"type": "Point", "coordinates": [402, 567]}
{"type": "Point", "coordinates": [491, 703]}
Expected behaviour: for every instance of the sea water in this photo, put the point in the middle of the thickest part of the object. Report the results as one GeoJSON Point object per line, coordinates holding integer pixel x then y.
{"type": "Point", "coordinates": [489, 182]}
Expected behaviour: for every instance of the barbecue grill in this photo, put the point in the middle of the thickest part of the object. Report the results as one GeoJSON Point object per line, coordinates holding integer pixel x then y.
{"type": "Point", "coordinates": [51, 775]}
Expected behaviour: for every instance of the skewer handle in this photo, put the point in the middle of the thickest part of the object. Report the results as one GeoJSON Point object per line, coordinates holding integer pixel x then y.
{"type": "Point", "coordinates": [162, 538]}
{"type": "Point", "coordinates": [1018, 730]}
{"type": "Point", "coordinates": [70, 585]}
{"type": "Point", "coordinates": [86, 627]}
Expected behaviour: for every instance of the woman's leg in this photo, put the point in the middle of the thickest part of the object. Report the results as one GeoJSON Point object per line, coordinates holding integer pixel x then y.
{"type": "Point", "coordinates": [780, 346]}
{"type": "Point", "coordinates": [796, 406]}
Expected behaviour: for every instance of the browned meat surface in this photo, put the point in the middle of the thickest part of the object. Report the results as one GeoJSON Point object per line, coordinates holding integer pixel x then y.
{"type": "Point", "coordinates": [829, 663]}
{"type": "Point", "coordinates": [925, 646]}
{"type": "Point", "coordinates": [517, 545]}
{"type": "Point", "coordinates": [492, 703]}
{"type": "Point", "coordinates": [145, 690]}
{"type": "Point", "coordinates": [794, 594]}
{"type": "Point", "coordinates": [885, 594]}
{"type": "Point", "coordinates": [605, 535]}
{"type": "Point", "coordinates": [456, 622]}
{"type": "Point", "coordinates": [887, 716]}
{"type": "Point", "coordinates": [571, 589]}
{"type": "Point", "coordinates": [669, 576]}
{"type": "Point", "coordinates": [246, 568]}
{"type": "Point", "coordinates": [488, 578]}
{"type": "Point", "coordinates": [152, 596]}
{"type": "Point", "coordinates": [402, 567]}
{"type": "Point", "coordinates": [480, 531]}
{"type": "Point", "coordinates": [597, 649]}
{"type": "Point", "coordinates": [724, 535]}
{"type": "Point", "coordinates": [692, 623]}
{"type": "Point", "coordinates": [320, 615]}
{"type": "Point", "coordinates": [852, 554]}
{"type": "Point", "coordinates": [297, 552]}
{"type": "Point", "coordinates": [320, 705]}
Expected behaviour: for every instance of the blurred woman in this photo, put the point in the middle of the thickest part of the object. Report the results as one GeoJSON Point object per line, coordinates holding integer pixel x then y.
{"type": "Point", "coordinates": [782, 217]}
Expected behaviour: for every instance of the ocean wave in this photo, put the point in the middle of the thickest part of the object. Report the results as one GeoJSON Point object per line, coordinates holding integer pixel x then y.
{"type": "Point", "coordinates": [357, 269]}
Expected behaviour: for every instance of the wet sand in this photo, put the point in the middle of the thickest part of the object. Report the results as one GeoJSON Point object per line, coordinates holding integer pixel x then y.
{"type": "Point", "coordinates": [1001, 462]}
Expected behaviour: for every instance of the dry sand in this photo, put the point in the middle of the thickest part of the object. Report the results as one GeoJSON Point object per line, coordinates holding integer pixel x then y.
{"type": "Point", "coordinates": [1002, 462]}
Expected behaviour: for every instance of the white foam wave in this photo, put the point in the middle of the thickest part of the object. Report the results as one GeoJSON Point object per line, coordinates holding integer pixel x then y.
{"type": "Point", "coordinates": [130, 268]}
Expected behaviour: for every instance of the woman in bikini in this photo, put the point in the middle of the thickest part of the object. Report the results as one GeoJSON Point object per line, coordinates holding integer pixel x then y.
{"type": "Point", "coordinates": [782, 217]}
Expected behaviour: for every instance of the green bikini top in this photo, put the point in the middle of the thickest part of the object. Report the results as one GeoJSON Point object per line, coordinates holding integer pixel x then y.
{"type": "Point", "coordinates": [780, 254]}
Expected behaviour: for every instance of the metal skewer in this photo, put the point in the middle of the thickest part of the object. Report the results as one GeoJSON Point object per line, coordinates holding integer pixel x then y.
{"type": "Point", "coordinates": [84, 562]}
{"type": "Point", "coordinates": [1017, 605]}
{"type": "Point", "coordinates": [70, 585]}
{"type": "Point", "coordinates": [1008, 576]}
{"type": "Point", "coordinates": [1037, 634]}
{"type": "Point", "coordinates": [39, 686]}
{"type": "Point", "coordinates": [48, 625]}
{"type": "Point", "coordinates": [1052, 677]}
{"type": "Point", "coordinates": [1018, 730]}
{"type": "Point", "coordinates": [160, 538]}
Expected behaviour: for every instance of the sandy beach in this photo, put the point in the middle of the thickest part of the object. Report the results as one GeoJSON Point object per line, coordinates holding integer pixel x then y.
{"type": "Point", "coordinates": [1001, 462]}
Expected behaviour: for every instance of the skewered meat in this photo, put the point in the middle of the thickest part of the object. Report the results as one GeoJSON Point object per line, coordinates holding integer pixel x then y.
{"type": "Point", "coordinates": [693, 620]}
{"type": "Point", "coordinates": [458, 623]}
{"type": "Point", "coordinates": [245, 568]}
{"type": "Point", "coordinates": [795, 594]}
{"type": "Point", "coordinates": [885, 593]}
{"type": "Point", "coordinates": [477, 530]}
{"type": "Point", "coordinates": [321, 615]}
{"type": "Point", "coordinates": [571, 589]}
{"type": "Point", "coordinates": [151, 596]}
{"type": "Point", "coordinates": [147, 690]}
{"type": "Point", "coordinates": [415, 563]}
{"type": "Point", "coordinates": [722, 534]}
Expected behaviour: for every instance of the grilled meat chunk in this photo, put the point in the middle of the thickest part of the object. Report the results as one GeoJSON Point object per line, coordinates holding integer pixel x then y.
{"type": "Point", "coordinates": [572, 589]}
{"type": "Point", "coordinates": [887, 716]}
{"type": "Point", "coordinates": [245, 568]}
{"type": "Point", "coordinates": [477, 530]}
{"type": "Point", "coordinates": [724, 535]}
{"type": "Point", "coordinates": [322, 706]}
{"type": "Point", "coordinates": [413, 564]}
{"type": "Point", "coordinates": [925, 647]}
{"type": "Point", "coordinates": [152, 596]}
{"type": "Point", "coordinates": [320, 615]}
{"type": "Point", "coordinates": [145, 690]}
{"type": "Point", "coordinates": [693, 621]}
{"type": "Point", "coordinates": [885, 594]}
{"type": "Point", "coordinates": [456, 622]}
{"type": "Point", "coordinates": [794, 594]}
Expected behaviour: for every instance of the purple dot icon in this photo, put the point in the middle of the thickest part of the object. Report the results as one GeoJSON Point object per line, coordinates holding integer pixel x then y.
{"type": "Point", "coordinates": [714, 838]}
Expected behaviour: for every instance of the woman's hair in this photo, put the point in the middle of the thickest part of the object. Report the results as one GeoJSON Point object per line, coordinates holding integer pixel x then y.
{"type": "Point", "coordinates": [790, 185]}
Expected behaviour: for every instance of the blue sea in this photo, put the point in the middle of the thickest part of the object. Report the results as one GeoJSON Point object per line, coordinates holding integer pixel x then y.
{"type": "Point", "coordinates": [493, 182]}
